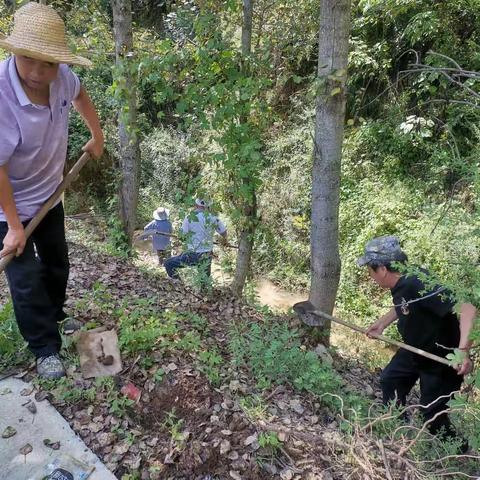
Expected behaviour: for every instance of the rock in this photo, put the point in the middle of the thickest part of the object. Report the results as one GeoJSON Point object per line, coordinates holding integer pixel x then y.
{"type": "Point", "coordinates": [324, 355]}
{"type": "Point", "coordinates": [282, 436]}
{"type": "Point", "coordinates": [235, 475]}
{"type": "Point", "coordinates": [369, 391]}
{"type": "Point", "coordinates": [224, 447]}
{"type": "Point", "coordinates": [286, 474]}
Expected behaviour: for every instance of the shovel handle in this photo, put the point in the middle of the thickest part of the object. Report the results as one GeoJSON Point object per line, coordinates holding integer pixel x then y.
{"type": "Point", "coordinates": [33, 224]}
{"type": "Point", "coordinates": [416, 350]}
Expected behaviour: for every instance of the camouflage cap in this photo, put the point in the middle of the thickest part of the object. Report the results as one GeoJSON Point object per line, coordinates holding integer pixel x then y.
{"type": "Point", "coordinates": [382, 250]}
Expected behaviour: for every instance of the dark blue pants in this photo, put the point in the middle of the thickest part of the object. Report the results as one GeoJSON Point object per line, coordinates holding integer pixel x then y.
{"type": "Point", "coordinates": [38, 282]}
{"type": "Point", "coordinates": [188, 259]}
{"type": "Point", "coordinates": [401, 374]}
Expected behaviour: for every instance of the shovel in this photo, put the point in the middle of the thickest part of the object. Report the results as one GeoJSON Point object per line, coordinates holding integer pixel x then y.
{"type": "Point", "coordinates": [33, 224]}
{"type": "Point", "coordinates": [315, 318]}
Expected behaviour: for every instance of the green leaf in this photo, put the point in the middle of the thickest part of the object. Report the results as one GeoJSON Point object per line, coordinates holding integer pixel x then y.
{"type": "Point", "coordinates": [335, 91]}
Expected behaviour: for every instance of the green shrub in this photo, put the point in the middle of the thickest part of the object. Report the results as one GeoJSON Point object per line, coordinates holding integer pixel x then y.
{"type": "Point", "coordinates": [273, 355]}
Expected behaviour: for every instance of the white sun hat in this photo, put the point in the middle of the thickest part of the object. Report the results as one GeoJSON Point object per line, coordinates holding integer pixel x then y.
{"type": "Point", "coordinates": [161, 213]}
{"type": "Point", "coordinates": [39, 32]}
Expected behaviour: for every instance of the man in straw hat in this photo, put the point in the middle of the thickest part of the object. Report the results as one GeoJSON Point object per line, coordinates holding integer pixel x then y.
{"type": "Point", "coordinates": [198, 228]}
{"type": "Point", "coordinates": [426, 320]}
{"type": "Point", "coordinates": [161, 228]}
{"type": "Point", "coordinates": [36, 91]}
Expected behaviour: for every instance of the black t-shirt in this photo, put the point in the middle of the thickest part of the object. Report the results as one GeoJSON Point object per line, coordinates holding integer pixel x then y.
{"type": "Point", "coordinates": [430, 323]}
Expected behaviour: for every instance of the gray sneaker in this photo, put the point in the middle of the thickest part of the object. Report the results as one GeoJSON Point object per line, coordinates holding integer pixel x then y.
{"type": "Point", "coordinates": [50, 367]}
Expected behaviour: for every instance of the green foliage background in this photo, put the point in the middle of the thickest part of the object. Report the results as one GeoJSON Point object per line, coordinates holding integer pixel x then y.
{"type": "Point", "coordinates": [411, 157]}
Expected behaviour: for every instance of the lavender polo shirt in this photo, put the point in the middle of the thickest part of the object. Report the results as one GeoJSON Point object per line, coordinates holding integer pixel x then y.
{"type": "Point", "coordinates": [33, 138]}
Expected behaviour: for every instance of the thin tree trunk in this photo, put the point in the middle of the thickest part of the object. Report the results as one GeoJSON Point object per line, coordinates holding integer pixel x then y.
{"type": "Point", "coordinates": [247, 27]}
{"type": "Point", "coordinates": [247, 234]}
{"type": "Point", "coordinates": [329, 126]}
{"type": "Point", "coordinates": [129, 149]}
{"type": "Point", "coordinates": [245, 247]}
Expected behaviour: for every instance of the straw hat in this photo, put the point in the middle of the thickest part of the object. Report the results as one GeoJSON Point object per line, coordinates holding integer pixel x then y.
{"type": "Point", "coordinates": [39, 32]}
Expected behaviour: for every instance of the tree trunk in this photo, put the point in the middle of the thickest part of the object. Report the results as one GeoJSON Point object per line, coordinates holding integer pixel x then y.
{"type": "Point", "coordinates": [247, 234]}
{"type": "Point", "coordinates": [245, 247]}
{"type": "Point", "coordinates": [129, 148]}
{"type": "Point", "coordinates": [247, 27]}
{"type": "Point", "coordinates": [329, 126]}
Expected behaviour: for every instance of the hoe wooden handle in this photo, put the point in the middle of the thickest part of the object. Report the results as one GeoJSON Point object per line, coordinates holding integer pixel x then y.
{"type": "Point", "coordinates": [418, 351]}
{"type": "Point", "coordinates": [33, 224]}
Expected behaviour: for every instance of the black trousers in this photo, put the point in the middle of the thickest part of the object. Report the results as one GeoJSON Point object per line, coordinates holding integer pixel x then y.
{"type": "Point", "coordinates": [436, 380]}
{"type": "Point", "coordinates": [38, 282]}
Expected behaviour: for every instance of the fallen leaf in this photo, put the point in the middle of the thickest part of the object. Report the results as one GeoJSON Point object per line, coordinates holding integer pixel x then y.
{"type": "Point", "coordinates": [249, 440]}
{"type": "Point", "coordinates": [53, 445]}
{"type": "Point", "coordinates": [224, 447]}
{"type": "Point", "coordinates": [42, 395]}
{"type": "Point", "coordinates": [26, 449]}
{"type": "Point", "coordinates": [31, 407]}
{"type": "Point", "coordinates": [9, 432]}
{"type": "Point", "coordinates": [26, 392]}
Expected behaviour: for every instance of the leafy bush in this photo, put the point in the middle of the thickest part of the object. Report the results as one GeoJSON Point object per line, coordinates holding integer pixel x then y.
{"type": "Point", "coordinates": [274, 355]}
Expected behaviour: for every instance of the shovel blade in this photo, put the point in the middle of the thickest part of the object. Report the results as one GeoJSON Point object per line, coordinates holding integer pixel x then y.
{"type": "Point", "coordinates": [305, 310]}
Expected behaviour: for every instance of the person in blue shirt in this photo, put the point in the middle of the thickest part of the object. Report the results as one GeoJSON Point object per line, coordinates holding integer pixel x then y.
{"type": "Point", "coordinates": [198, 228]}
{"type": "Point", "coordinates": [162, 228]}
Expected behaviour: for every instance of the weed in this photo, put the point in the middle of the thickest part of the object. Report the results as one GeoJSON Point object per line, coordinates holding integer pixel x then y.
{"type": "Point", "coordinates": [269, 441]}
{"type": "Point", "coordinates": [272, 352]}
{"type": "Point", "coordinates": [12, 346]}
{"type": "Point", "coordinates": [142, 330]}
{"type": "Point", "coordinates": [191, 342]}
{"type": "Point", "coordinates": [131, 476]}
{"type": "Point", "coordinates": [174, 427]}
{"type": "Point", "coordinates": [254, 407]}
{"type": "Point", "coordinates": [65, 390]}
{"type": "Point", "coordinates": [159, 375]}
{"type": "Point", "coordinates": [210, 362]}
{"type": "Point", "coordinates": [119, 405]}
{"type": "Point", "coordinates": [197, 322]}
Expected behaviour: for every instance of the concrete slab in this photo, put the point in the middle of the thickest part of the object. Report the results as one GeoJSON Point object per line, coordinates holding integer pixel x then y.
{"type": "Point", "coordinates": [33, 429]}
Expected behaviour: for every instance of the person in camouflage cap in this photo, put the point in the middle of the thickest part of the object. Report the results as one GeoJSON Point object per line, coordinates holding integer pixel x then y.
{"type": "Point", "coordinates": [382, 250]}
{"type": "Point", "coordinates": [427, 320]}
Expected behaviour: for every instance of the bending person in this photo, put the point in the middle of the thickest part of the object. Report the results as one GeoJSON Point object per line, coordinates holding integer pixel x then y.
{"type": "Point", "coordinates": [199, 228]}
{"type": "Point", "coordinates": [426, 320]}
